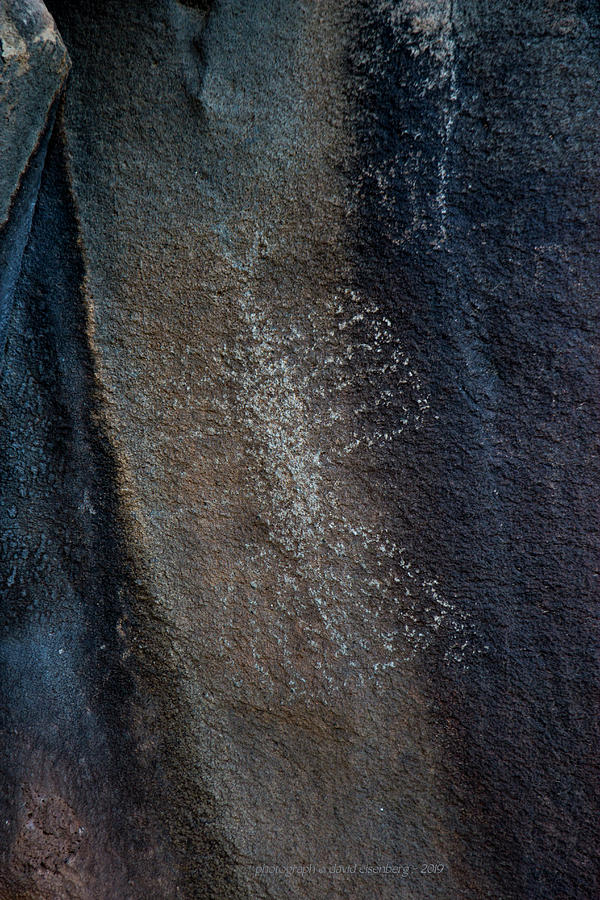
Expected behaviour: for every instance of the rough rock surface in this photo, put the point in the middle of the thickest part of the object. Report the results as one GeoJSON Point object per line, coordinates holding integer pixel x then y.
{"type": "Point", "coordinates": [33, 67]}
{"type": "Point", "coordinates": [298, 467]}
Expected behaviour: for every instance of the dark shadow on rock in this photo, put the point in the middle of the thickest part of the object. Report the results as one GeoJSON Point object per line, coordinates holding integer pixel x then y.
{"type": "Point", "coordinates": [477, 239]}
{"type": "Point", "coordinates": [97, 798]}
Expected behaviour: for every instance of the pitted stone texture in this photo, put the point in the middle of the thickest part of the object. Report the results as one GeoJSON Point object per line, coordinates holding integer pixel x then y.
{"type": "Point", "coordinates": [33, 66]}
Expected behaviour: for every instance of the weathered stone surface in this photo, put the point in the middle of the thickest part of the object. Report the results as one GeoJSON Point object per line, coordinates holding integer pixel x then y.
{"type": "Point", "coordinates": [34, 65]}
{"type": "Point", "coordinates": [299, 470]}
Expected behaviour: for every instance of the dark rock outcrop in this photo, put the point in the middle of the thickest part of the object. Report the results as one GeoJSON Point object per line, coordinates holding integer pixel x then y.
{"type": "Point", "coordinates": [298, 464]}
{"type": "Point", "coordinates": [34, 65]}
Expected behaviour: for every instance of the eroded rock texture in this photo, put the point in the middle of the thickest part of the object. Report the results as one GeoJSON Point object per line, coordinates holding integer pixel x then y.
{"type": "Point", "coordinates": [34, 64]}
{"type": "Point", "coordinates": [299, 427]}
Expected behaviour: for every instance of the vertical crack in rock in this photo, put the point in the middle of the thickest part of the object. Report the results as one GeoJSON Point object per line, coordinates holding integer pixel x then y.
{"type": "Point", "coordinates": [86, 767]}
{"type": "Point", "coordinates": [14, 234]}
{"type": "Point", "coordinates": [64, 688]}
{"type": "Point", "coordinates": [189, 19]}
{"type": "Point", "coordinates": [33, 68]}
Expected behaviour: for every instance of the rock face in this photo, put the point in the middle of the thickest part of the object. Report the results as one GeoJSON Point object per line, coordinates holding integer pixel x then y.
{"type": "Point", "coordinates": [299, 467]}
{"type": "Point", "coordinates": [34, 65]}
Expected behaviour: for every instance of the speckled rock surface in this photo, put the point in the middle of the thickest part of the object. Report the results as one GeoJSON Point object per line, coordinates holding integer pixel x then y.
{"type": "Point", "coordinates": [299, 469]}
